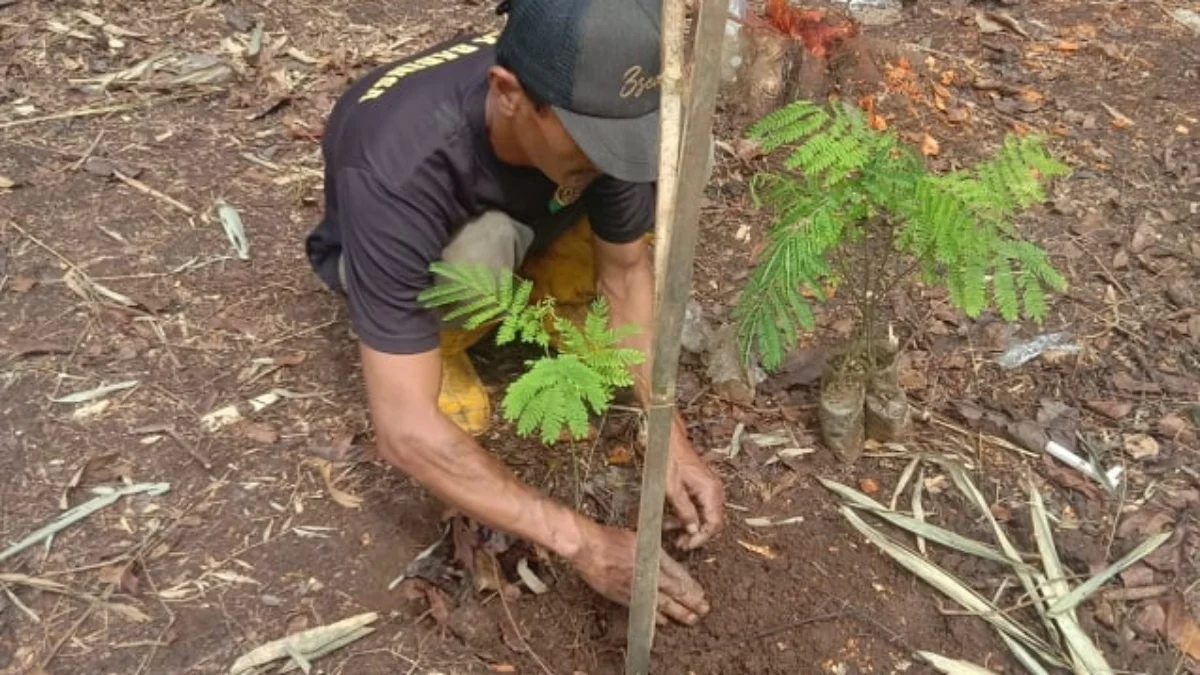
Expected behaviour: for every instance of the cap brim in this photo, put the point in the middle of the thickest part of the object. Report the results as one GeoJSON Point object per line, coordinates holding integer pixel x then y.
{"type": "Point", "coordinates": [624, 148]}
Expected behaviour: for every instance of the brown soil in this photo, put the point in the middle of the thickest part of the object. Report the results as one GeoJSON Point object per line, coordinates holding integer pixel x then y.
{"type": "Point", "coordinates": [255, 546]}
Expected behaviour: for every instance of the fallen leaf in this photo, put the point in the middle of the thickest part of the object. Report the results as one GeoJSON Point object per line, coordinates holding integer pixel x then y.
{"type": "Point", "coordinates": [502, 668]}
{"type": "Point", "coordinates": [1120, 121]}
{"type": "Point", "coordinates": [1138, 576]}
{"type": "Point", "coordinates": [1066, 46]}
{"type": "Point", "coordinates": [260, 432]}
{"type": "Point", "coordinates": [1141, 446]}
{"type": "Point", "coordinates": [293, 359]}
{"type": "Point", "coordinates": [1181, 628]}
{"type": "Point", "coordinates": [339, 496]}
{"type": "Point", "coordinates": [1143, 237]}
{"type": "Point", "coordinates": [929, 146]}
{"type": "Point", "coordinates": [296, 624]}
{"type": "Point", "coordinates": [1145, 522]}
{"type": "Point", "coordinates": [1120, 259]}
{"type": "Point", "coordinates": [620, 455]}
{"type": "Point", "coordinates": [1150, 620]}
{"type": "Point", "coordinates": [121, 576]}
{"type": "Point", "coordinates": [764, 551]}
{"type": "Point", "coordinates": [1176, 428]}
{"type": "Point", "coordinates": [868, 486]}
{"type": "Point", "coordinates": [1114, 410]}
{"type": "Point", "coordinates": [986, 24]}
{"type": "Point", "coordinates": [22, 284]}
{"type": "Point", "coordinates": [1125, 382]}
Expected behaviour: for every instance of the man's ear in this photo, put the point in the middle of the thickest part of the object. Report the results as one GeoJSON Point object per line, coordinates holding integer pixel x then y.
{"type": "Point", "coordinates": [505, 89]}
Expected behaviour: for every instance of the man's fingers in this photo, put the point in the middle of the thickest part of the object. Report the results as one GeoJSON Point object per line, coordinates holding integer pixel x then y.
{"type": "Point", "coordinates": [676, 583]}
{"type": "Point", "coordinates": [685, 510]}
{"type": "Point", "coordinates": [675, 611]}
{"type": "Point", "coordinates": [712, 507]}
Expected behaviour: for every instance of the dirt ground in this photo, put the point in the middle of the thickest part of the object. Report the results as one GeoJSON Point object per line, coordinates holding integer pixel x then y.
{"type": "Point", "coordinates": [115, 269]}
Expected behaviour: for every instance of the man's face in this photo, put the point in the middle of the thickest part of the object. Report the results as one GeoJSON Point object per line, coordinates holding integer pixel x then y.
{"type": "Point", "coordinates": [542, 136]}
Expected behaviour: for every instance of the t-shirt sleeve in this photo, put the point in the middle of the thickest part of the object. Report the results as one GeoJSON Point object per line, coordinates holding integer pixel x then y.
{"type": "Point", "coordinates": [389, 240]}
{"type": "Point", "coordinates": [620, 211]}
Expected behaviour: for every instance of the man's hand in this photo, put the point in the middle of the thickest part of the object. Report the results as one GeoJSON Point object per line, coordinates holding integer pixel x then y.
{"type": "Point", "coordinates": [624, 275]}
{"type": "Point", "coordinates": [694, 492]}
{"type": "Point", "coordinates": [606, 563]}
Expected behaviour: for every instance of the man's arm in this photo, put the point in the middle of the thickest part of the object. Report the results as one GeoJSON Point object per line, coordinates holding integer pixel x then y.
{"type": "Point", "coordinates": [625, 277]}
{"type": "Point", "coordinates": [413, 435]}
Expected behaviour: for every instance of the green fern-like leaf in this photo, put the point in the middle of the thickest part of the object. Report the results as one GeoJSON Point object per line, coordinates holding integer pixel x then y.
{"type": "Point", "coordinates": [553, 395]}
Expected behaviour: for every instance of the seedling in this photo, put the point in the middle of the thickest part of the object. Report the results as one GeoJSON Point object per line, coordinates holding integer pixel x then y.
{"type": "Point", "coordinates": [855, 209]}
{"type": "Point", "coordinates": [557, 391]}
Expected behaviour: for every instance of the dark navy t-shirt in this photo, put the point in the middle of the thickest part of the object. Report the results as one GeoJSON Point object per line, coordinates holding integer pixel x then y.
{"type": "Point", "coordinates": [408, 162]}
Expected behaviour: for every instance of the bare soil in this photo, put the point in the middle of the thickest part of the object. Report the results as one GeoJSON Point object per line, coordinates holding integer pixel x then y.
{"type": "Point", "coordinates": [252, 542]}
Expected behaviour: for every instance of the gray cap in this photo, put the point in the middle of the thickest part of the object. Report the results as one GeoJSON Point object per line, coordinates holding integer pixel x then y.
{"type": "Point", "coordinates": [597, 63]}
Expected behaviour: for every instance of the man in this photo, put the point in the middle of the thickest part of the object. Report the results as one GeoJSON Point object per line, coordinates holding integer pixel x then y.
{"type": "Point", "coordinates": [533, 151]}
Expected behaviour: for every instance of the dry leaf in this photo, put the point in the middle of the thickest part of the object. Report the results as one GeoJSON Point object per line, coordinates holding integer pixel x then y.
{"type": "Point", "coordinates": [22, 284]}
{"type": "Point", "coordinates": [986, 24]}
{"type": "Point", "coordinates": [1141, 446]}
{"type": "Point", "coordinates": [1120, 121]}
{"type": "Point", "coordinates": [1125, 382]}
{"type": "Point", "coordinates": [260, 432]}
{"type": "Point", "coordinates": [121, 576]}
{"type": "Point", "coordinates": [764, 551]}
{"type": "Point", "coordinates": [1176, 428]}
{"type": "Point", "coordinates": [341, 497]}
{"type": "Point", "coordinates": [502, 668]}
{"type": "Point", "coordinates": [1143, 237]}
{"type": "Point", "coordinates": [1182, 629]}
{"type": "Point", "coordinates": [1114, 410]}
{"type": "Point", "coordinates": [293, 359]}
{"type": "Point", "coordinates": [620, 455]}
{"type": "Point", "coordinates": [930, 146]}
{"type": "Point", "coordinates": [1066, 46]}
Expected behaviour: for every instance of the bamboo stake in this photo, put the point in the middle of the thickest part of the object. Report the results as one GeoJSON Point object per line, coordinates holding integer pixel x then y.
{"type": "Point", "coordinates": [683, 158]}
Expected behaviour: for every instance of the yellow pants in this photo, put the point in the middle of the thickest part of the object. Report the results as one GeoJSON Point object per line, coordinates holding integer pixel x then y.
{"type": "Point", "coordinates": [564, 270]}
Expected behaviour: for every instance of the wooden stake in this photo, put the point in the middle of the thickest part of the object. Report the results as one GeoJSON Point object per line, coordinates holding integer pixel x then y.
{"type": "Point", "coordinates": [683, 158]}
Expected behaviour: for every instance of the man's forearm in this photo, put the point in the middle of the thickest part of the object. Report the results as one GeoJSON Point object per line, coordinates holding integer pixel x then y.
{"type": "Point", "coordinates": [630, 297]}
{"type": "Point", "coordinates": [449, 463]}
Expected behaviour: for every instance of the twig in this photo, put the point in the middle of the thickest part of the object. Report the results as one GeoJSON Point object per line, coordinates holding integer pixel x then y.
{"type": "Point", "coordinates": [87, 613]}
{"type": "Point", "coordinates": [169, 430]}
{"type": "Point", "coordinates": [101, 110]}
{"type": "Point", "coordinates": [516, 628]}
{"type": "Point", "coordinates": [146, 189]}
{"type": "Point", "coordinates": [783, 628]}
{"type": "Point", "coordinates": [87, 153]}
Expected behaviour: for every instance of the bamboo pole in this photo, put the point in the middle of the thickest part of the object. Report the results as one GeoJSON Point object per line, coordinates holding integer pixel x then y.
{"type": "Point", "coordinates": [685, 131]}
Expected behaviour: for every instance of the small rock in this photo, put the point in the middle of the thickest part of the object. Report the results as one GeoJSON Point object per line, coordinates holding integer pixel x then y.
{"type": "Point", "coordinates": [1141, 446]}
{"type": "Point", "coordinates": [1113, 410]}
{"type": "Point", "coordinates": [7, 183]}
{"type": "Point", "coordinates": [1150, 620]}
{"type": "Point", "coordinates": [272, 600]}
{"type": "Point", "coordinates": [238, 21]}
{"type": "Point", "coordinates": [868, 486]}
{"type": "Point", "coordinates": [726, 371]}
{"type": "Point", "coordinates": [1105, 614]}
{"type": "Point", "coordinates": [98, 166]}
{"type": "Point", "coordinates": [1181, 294]}
{"type": "Point", "coordinates": [696, 332]}
{"type": "Point", "coordinates": [1188, 18]}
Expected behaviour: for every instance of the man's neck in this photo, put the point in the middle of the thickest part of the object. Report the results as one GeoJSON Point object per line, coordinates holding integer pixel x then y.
{"type": "Point", "coordinates": [501, 136]}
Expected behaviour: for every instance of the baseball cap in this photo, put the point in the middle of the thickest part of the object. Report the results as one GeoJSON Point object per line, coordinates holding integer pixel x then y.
{"type": "Point", "coordinates": [596, 63]}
